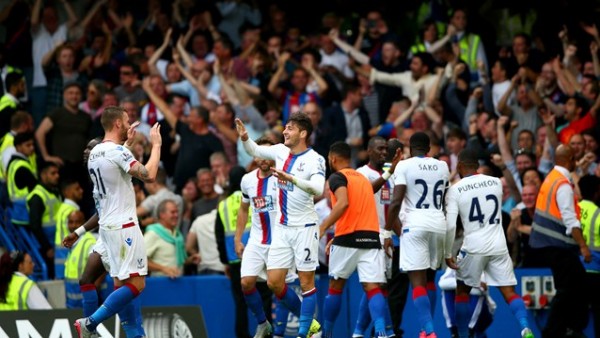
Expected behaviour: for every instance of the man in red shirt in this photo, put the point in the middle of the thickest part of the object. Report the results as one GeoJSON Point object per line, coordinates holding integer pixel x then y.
{"type": "Point", "coordinates": [577, 123]}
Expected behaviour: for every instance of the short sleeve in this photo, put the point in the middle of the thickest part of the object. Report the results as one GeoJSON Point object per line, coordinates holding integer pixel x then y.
{"type": "Point", "coordinates": [149, 203]}
{"type": "Point", "coordinates": [337, 180]}
{"type": "Point", "coordinates": [400, 174]}
{"type": "Point", "coordinates": [318, 166]}
{"type": "Point", "coordinates": [244, 189]}
{"type": "Point", "coordinates": [123, 158]}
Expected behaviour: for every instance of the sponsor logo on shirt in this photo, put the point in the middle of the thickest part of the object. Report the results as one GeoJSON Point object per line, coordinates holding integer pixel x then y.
{"type": "Point", "coordinates": [263, 203]}
{"type": "Point", "coordinates": [127, 156]}
{"type": "Point", "coordinates": [128, 240]}
{"type": "Point", "coordinates": [285, 185]}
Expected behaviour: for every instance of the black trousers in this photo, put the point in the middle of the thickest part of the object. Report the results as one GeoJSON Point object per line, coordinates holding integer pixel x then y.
{"type": "Point", "coordinates": [241, 310]}
{"type": "Point", "coordinates": [397, 292]}
{"type": "Point", "coordinates": [569, 307]}
{"type": "Point", "coordinates": [593, 287]}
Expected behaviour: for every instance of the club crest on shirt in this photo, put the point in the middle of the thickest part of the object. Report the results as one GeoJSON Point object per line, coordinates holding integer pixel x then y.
{"type": "Point", "coordinates": [263, 204]}
{"type": "Point", "coordinates": [140, 263]}
{"type": "Point", "coordinates": [285, 185]}
{"type": "Point", "coordinates": [300, 167]}
{"type": "Point", "coordinates": [385, 197]}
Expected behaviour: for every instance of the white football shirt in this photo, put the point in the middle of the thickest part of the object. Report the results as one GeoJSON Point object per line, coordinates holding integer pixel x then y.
{"type": "Point", "coordinates": [296, 206]}
{"type": "Point", "coordinates": [261, 194]}
{"type": "Point", "coordinates": [426, 180]}
{"type": "Point", "coordinates": [384, 196]}
{"type": "Point", "coordinates": [108, 167]}
{"type": "Point", "coordinates": [477, 199]}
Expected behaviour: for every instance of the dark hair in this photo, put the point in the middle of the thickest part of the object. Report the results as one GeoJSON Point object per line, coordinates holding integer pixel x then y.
{"type": "Point", "coordinates": [534, 169]}
{"type": "Point", "coordinates": [66, 183]}
{"type": "Point", "coordinates": [110, 115]}
{"type": "Point", "coordinates": [203, 113]}
{"type": "Point", "coordinates": [456, 132]}
{"type": "Point", "coordinates": [302, 122]}
{"type": "Point", "coordinates": [172, 96]}
{"type": "Point", "coordinates": [349, 87]}
{"type": "Point", "coordinates": [226, 42]}
{"type": "Point", "coordinates": [134, 67]}
{"type": "Point", "coordinates": [235, 179]}
{"type": "Point", "coordinates": [13, 79]}
{"type": "Point", "coordinates": [16, 257]}
{"type": "Point", "coordinates": [525, 152]}
{"type": "Point", "coordinates": [21, 138]}
{"type": "Point", "coordinates": [161, 176]}
{"type": "Point", "coordinates": [341, 149]}
{"type": "Point", "coordinates": [527, 131]}
{"type": "Point", "coordinates": [19, 118]}
{"type": "Point", "coordinates": [427, 60]}
{"type": "Point", "coordinates": [525, 37]}
{"type": "Point", "coordinates": [315, 53]}
{"type": "Point", "coordinates": [6, 273]}
{"type": "Point", "coordinates": [580, 102]}
{"type": "Point", "coordinates": [393, 145]}
{"type": "Point", "coordinates": [264, 141]}
{"type": "Point", "coordinates": [588, 186]}
{"type": "Point", "coordinates": [468, 158]}
{"type": "Point", "coordinates": [420, 140]}
{"type": "Point", "coordinates": [374, 139]}
{"type": "Point", "coordinates": [509, 65]}
{"type": "Point", "coordinates": [45, 166]}
{"type": "Point", "coordinates": [72, 84]}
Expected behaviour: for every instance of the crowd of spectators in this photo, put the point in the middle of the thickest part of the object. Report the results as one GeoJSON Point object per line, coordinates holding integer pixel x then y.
{"type": "Point", "coordinates": [509, 86]}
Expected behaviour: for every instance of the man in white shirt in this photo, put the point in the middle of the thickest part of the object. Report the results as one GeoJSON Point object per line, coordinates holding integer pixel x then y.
{"type": "Point", "coordinates": [111, 167]}
{"type": "Point", "coordinates": [477, 199]}
{"type": "Point", "coordinates": [419, 186]}
{"type": "Point", "coordinates": [411, 81]}
{"type": "Point", "coordinates": [301, 176]}
{"type": "Point", "coordinates": [46, 33]}
{"type": "Point", "coordinates": [556, 233]}
{"type": "Point", "coordinates": [201, 239]}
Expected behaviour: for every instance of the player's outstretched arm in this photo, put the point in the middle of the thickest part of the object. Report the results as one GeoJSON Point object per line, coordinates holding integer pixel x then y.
{"type": "Point", "coordinates": [250, 146]}
{"type": "Point", "coordinates": [147, 173]}
{"type": "Point", "coordinates": [71, 238]}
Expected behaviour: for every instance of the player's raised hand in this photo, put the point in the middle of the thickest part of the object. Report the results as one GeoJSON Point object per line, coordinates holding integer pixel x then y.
{"type": "Point", "coordinates": [241, 130]}
{"type": "Point", "coordinates": [70, 240]}
{"type": "Point", "coordinates": [131, 132]}
{"type": "Point", "coordinates": [155, 138]}
{"type": "Point", "coordinates": [451, 263]}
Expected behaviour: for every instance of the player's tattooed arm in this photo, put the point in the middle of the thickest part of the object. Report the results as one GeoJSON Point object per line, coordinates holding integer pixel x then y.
{"type": "Point", "coordinates": [139, 171]}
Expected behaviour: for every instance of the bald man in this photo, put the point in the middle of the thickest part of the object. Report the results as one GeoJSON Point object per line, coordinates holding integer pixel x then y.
{"type": "Point", "coordinates": [556, 232]}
